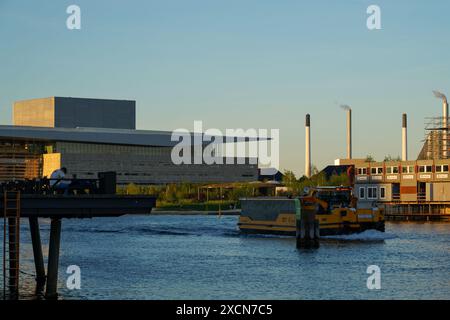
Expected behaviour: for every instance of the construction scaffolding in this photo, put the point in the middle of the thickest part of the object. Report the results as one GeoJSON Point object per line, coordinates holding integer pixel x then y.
{"type": "Point", "coordinates": [437, 139]}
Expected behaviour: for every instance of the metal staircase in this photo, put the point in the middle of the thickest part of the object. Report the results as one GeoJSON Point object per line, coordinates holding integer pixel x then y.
{"type": "Point", "coordinates": [11, 244]}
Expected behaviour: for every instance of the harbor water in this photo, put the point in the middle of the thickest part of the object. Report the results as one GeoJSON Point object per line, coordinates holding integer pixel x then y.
{"type": "Point", "coordinates": [205, 257]}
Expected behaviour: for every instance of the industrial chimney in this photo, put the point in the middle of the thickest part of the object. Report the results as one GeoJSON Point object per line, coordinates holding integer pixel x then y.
{"type": "Point", "coordinates": [349, 133]}
{"type": "Point", "coordinates": [349, 130]}
{"type": "Point", "coordinates": [442, 96]}
{"type": "Point", "coordinates": [404, 137]}
{"type": "Point", "coordinates": [308, 147]}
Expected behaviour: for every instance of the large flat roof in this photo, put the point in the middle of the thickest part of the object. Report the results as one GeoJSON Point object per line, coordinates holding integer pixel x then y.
{"type": "Point", "coordinates": [91, 135]}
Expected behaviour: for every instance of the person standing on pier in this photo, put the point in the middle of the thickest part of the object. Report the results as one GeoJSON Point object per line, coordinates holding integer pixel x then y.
{"type": "Point", "coordinates": [57, 180]}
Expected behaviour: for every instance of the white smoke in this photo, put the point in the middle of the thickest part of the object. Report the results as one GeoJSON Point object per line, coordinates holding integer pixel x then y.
{"type": "Point", "coordinates": [439, 95]}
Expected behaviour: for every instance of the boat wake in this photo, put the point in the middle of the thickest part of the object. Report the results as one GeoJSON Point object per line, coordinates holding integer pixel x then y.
{"type": "Point", "coordinates": [368, 235]}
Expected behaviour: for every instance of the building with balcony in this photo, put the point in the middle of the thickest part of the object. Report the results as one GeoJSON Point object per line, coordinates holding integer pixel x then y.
{"type": "Point", "coordinates": [403, 182]}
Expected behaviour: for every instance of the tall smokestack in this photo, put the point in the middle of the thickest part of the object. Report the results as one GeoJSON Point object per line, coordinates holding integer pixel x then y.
{"type": "Point", "coordinates": [445, 125]}
{"type": "Point", "coordinates": [349, 130]}
{"type": "Point", "coordinates": [308, 146]}
{"type": "Point", "coordinates": [404, 137]}
{"type": "Point", "coordinates": [442, 96]}
{"type": "Point", "coordinates": [349, 133]}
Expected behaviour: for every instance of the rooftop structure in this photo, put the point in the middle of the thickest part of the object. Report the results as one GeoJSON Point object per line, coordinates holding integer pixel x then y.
{"type": "Point", "coordinates": [436, 142]}
{"type": "Point", "coordinates": [64, 112]}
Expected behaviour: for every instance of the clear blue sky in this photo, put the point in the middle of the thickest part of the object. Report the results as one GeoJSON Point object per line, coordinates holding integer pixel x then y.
{"type": "Point", "coordinates": [240, 63]}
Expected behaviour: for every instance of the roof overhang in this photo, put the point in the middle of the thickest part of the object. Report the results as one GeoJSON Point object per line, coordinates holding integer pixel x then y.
{"type": "Point", "coordinates": [102, 136]}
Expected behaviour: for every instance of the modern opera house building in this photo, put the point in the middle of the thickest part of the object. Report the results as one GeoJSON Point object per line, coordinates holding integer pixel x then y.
{"type": "Point", "coordinates": [94, 135]}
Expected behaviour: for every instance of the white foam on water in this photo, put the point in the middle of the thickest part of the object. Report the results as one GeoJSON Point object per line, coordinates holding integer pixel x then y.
{"type": "Point", "coordinates": [368, 235]}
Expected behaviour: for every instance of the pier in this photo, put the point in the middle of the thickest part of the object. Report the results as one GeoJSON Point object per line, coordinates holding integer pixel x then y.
{"type": "Point", "coordinates": [417, 211]}
{"type": "Point", "coordinates": [55, 207]}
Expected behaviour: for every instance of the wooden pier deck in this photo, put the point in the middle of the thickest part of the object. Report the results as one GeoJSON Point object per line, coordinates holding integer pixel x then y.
{"type": "Point", "coordinates": [57, 207]}
{"type": "Point", "coordinates": [83, 206]}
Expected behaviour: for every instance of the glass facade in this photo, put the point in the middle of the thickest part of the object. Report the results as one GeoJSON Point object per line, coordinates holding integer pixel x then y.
{"type": "Point", "coordinates": [94, 148]}
{"type": "Point", "coordinates": [20, 160]}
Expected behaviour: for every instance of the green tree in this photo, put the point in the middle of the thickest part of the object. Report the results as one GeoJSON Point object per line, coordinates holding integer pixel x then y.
{"type": "Point", "coordinates": [289, 178]}
{"type": "Point", "coordinates": [338, 180]}
{"type": "Point", "coordinates": [132, 189]}
{"type": "Point", "coordinates": [390, 158]}
{"type": "Point", "coordinates": [319, 179]}
{"type": "Point", "coordinates": [314, 170]}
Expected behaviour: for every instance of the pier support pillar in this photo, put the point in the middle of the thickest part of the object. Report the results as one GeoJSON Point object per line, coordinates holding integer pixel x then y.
{"type": "Point", "coordinates": [37, 253]}
{"type": "Point", "coordinates": [307, 233]}
{"type": "Point", "coordinates": [53, 259]}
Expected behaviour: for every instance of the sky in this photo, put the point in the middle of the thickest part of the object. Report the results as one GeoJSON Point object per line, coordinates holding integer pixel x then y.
{"type": "Point", "coordinates": [240, 64]}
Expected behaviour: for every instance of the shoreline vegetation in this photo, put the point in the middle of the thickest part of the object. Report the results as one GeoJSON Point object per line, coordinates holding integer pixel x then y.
{"type": "Point", "coordinates": [224, 198]}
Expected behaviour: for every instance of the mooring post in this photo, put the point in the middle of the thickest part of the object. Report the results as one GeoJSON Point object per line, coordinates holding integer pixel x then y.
{"type": "Point", "coordinates": [37, 253]}
{"type": "Point", "coordinates": [53, 259]}
{"type": "Point", "coordinates": [307, 233]}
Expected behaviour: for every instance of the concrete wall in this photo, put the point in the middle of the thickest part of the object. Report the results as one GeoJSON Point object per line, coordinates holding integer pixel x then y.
{"type": "Point", "coordinates": [51, 162]}
{"type": "Point", "coordinates": [36, 113]}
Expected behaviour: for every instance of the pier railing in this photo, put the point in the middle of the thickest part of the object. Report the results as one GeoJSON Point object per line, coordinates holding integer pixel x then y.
{"type": "Point", "coordinates": [11, 243]}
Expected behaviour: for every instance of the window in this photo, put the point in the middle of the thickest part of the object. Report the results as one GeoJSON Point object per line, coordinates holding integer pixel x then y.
{"type": "Point", "coordinates": [423, 169]}
{"type": "Point", "coordinates": [371, 192]}
{"type": "Point", "coordinates": [408, 169]}
{"type": "Point", "coordinates": [362, 193]}
{"type": "Point", "coordinates": [382, 192]}
{"type": "Point", "coordinates": [442, 168]}
{"type": "Point", "coordinates": [376, 170]}
{"type": "Point", "coordinates": [362, 171]}
{"type": "Point", "coordinates": [391, 170]}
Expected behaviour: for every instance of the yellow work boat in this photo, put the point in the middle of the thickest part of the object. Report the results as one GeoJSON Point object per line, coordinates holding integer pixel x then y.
{"type": "Point", "coordinates": [336, 210]}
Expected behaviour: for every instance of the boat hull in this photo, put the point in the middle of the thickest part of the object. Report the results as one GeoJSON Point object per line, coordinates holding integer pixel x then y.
{"type": "Point", "coordinates": [278, 217]}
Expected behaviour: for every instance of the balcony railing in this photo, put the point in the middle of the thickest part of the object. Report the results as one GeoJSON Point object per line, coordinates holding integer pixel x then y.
{"type": "Point", "coordinates": [421, 196]}
{"type": "Point", "coordinates": [395, 196]}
